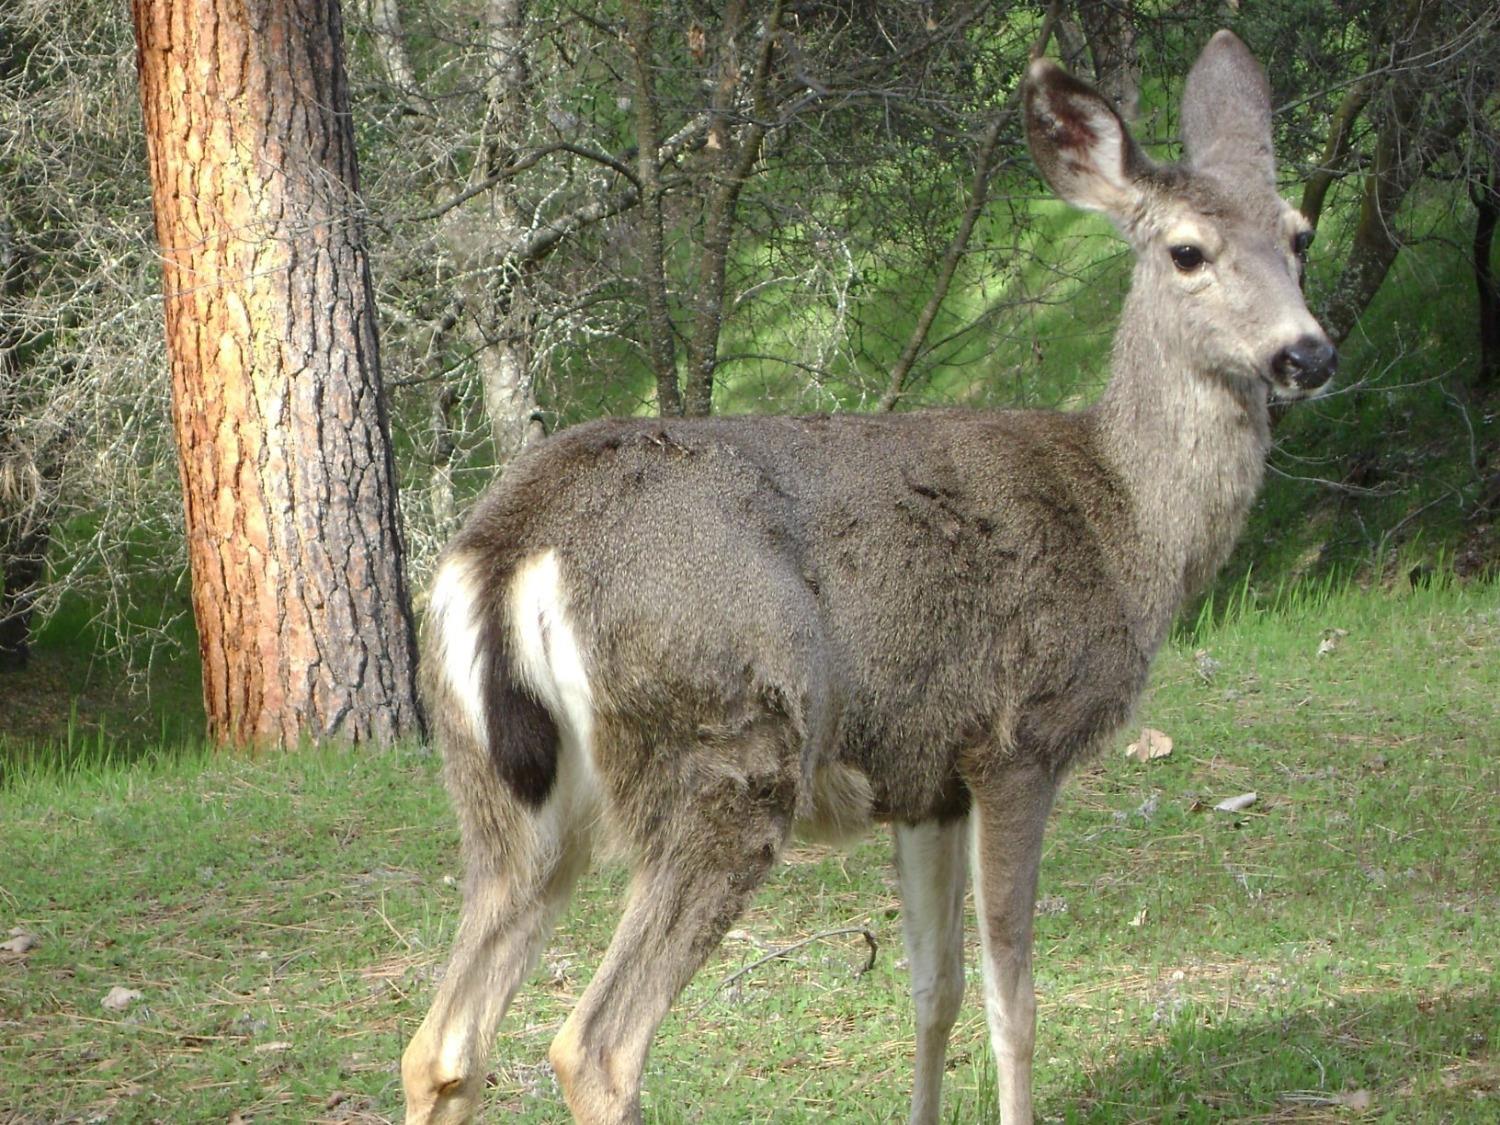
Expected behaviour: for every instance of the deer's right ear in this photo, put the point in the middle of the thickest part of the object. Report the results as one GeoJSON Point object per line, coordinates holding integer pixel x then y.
{"type": "Point", "coordinates": [1079, 143]}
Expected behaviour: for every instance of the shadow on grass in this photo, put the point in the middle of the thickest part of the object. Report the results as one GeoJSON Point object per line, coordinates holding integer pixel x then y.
{"type": "Point", "coordinates": [78, 708]}
{"type": "Point", "coordinates": [1406, 1058]}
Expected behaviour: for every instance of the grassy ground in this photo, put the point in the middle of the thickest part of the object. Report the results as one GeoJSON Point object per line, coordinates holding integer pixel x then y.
{"type": "Point", "coordinates": [1326, 955]}
{"type": "Point", "coordinates": [76, 701]}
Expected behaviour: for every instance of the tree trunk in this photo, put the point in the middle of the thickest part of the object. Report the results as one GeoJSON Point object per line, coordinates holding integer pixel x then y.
{"type": "Point", "coordinates": [505, 371]}
{"type": "Point", "coordinates": [22, 566]}
{"type": "Point", "coordinates": [284, 448]}
{"type": "Point", "coordinates": [1412, 131]}
{"type": "Point", "coordinates": [1402, 152]}
{"type": "Point", "coordinates": [497, 296]}
{"type": "Point", "coordinates": [390, 44]}
{"type": "Point", "coordinates": [661, 339]}
{"type": "Point", "coordinates": [29, 470]}
{"type": "Point", "coordinates": [731, 157]}
{"type": "Point", "coordinates": [1486, 193]}
{"type": "Point", "coordinates": [1336, 152]}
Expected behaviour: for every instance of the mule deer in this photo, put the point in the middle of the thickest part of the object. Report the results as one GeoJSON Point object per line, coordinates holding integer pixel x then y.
{"type": "Point", "coordinates": [699, 634]}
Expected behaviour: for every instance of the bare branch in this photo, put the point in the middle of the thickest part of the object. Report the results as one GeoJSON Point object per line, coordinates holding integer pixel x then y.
{"type": "Point", "coordinates": [984, 166]}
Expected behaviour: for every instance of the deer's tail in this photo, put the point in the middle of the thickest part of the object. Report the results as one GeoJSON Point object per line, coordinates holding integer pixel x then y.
{"type": "Point", "coordinates": [508, 697]}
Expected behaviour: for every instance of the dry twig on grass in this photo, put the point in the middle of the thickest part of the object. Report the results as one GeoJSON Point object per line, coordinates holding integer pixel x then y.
{"type": "Point", "coordinates": [796, 945]}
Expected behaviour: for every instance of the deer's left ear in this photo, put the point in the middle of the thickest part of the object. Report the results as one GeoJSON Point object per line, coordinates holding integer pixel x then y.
{"type": "Point", "coordinates": [1079, 143]}
{"type": "Point", "coordinates": [1226, 113]}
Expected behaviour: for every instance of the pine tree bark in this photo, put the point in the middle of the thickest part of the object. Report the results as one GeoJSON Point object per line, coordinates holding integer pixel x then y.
{"type": "Point", "coordinates": [303, 618]}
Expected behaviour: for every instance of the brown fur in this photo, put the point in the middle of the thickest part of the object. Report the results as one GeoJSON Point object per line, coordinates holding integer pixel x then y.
{"type": "Point", "coordinates": [924, 618]}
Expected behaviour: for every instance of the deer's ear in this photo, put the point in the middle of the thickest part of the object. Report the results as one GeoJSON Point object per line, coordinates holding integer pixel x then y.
{"type": "Point", "coordinates": [1226, 113]}
{"type": "Point", "coordinates": [1079, 143]}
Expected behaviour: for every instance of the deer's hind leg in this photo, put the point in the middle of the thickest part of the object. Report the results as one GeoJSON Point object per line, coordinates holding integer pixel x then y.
{"type": "Point", "coordinates": [520, 875]}
{"type": "Point", "coordinates": [701, 850]}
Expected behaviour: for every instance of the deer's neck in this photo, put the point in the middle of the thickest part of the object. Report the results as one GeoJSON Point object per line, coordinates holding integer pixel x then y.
{"type": "Point", "coordinates": [1189, 447]}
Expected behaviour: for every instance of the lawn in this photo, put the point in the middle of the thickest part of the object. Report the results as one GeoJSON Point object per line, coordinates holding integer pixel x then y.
{"type": "Point", "coordinates": [1326, 954]}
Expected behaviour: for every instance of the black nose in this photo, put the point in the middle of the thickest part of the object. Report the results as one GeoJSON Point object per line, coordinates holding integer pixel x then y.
{"type": "Point", "coordinates": [1308, 364]}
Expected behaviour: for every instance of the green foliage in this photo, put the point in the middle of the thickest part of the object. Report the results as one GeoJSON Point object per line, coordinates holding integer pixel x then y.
{"type": "Point", "coordinates": [1388, 477]}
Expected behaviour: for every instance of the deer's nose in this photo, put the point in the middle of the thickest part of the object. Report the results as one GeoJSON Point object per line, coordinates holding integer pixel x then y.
{"type": "Point", "coordinates": [1307, 364]}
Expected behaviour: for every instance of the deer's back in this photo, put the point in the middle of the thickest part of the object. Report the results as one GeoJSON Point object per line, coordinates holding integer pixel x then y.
{"type": "Point", "coordinates": [905, 588]}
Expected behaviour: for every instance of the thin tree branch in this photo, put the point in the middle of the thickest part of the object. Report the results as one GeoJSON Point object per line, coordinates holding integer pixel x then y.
{"type": "Point", "coordinates": [984, 167]}
{"type": "Point", "coordinates": [1340, 140]}
{"type": "Point", "coordinates": [660, 344]}
{"type": "Point", "coordinates": [737, 161]}
{"type": "Point", "coordinates": [776, 954]}
{"type": "Point", "coordinates": [531, 159]}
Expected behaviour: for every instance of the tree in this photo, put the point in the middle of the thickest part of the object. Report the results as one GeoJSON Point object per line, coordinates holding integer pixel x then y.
{"type": "Point", "coordinates": [674, 178]}
{"type": "Point", "coordinates": [83, 440]}
{"type": "Point", "coordinates": [285, 457]}
{"type": "Point", "coordinates": [1484, 189]}
{"type": "Point", "coordinates": [28, 474]}
{"type": "Point", "coordinates": [499, 145]}
{"type": "Point", "coordinates": [1415, 124]}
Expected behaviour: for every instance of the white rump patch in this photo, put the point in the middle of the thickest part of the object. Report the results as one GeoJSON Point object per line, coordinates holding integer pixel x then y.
{"type": "Point", "coordinates": [549, 661]}
{"type": "Point", "coordinates": [453, 607]}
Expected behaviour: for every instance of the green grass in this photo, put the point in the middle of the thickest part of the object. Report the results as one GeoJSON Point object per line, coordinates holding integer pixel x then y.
{"type": "Point", "coordinates": [284, 919]}
{"type": "Point", "coordinates": [86, 698]}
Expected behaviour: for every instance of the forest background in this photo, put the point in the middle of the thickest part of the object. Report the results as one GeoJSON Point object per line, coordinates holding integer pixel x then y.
{"type": "Point", "coordinates": [576, 209]}
{"type": "Point", "coordinates": [569, 209]}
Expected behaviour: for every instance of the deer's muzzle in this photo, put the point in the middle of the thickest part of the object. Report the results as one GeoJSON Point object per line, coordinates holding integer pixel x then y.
{"type": "Point", "coordinates": [1306, 365]}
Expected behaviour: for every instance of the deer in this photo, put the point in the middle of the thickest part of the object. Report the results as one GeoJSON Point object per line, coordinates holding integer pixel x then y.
{"type": "Point", "coordinates": [690, 638]}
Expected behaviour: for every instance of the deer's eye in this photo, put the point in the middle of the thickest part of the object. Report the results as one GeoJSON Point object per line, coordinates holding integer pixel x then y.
{"type": "Point", "coordinates": [1301, 242]}
{"type": "Point", "coordinates": [1186, 258]}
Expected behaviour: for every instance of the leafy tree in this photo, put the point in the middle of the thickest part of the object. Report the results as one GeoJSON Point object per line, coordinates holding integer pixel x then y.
{"type": "Point", "coordinates": [831, 209]}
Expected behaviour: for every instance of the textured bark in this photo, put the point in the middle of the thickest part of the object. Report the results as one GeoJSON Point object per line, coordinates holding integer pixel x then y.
{"type": "Point", "coordinates": [499, 298]}
{"type": "Point", "coordinates": [303, 619]}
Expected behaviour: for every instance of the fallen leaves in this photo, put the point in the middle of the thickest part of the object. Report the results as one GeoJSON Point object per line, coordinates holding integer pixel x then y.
{"type": "Point", "coordinates": [1237, 804]}
{"type": "Point", "coordinates": [20, 942]}
{"type": "Point", "coordinates": [1152, 744]}
{"type": "Point", "coordinates": [118, 998]}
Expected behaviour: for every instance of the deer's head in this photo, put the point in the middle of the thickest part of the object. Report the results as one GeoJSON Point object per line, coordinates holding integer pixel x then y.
{"type": "Point", "coordinates": [1220, 254]}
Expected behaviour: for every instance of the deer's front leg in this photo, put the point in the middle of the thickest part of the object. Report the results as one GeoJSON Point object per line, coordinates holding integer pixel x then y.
{"type": "Point", "coordinates": [932, 861]}
{"type": "Point", "coordinates": [1008, 820]}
